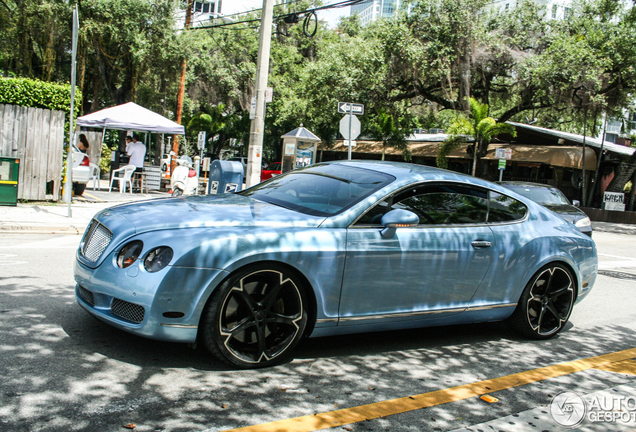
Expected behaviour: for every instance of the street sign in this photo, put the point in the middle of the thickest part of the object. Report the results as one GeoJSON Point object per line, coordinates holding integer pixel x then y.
{"type": "Point", "coordinates": [344, 107]}
{"type": "Point", "coordinates": [503, 153]}
{"type": "Point", "coordinates": [201, 140]}
{"type": "Point", "coordinates": [353, 143]}
{"type": "Point", "coordinates": [253, 108]}
{"type": "Point", "coordinates": [502, 164]}
{"type": "Point", "coordinates": [354, 128]}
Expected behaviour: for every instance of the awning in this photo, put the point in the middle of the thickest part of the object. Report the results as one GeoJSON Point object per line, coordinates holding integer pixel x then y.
{"type": "Point", "coordinates": [417, 149]}
{"type": "Point", "coordinates": [574, 138]}
{"type": "Point", "coordinates": [560, 156]}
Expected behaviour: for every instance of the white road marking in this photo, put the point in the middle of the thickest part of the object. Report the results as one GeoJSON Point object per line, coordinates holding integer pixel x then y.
{"type": "Point", "coordinates": [616, 256]}
{"type": "Point", "coordinates": [57, 242]}
{"type": "Point", "coordinates": [5, 261]}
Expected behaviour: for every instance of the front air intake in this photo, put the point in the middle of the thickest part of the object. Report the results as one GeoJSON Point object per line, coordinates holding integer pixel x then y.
{"type": "Point", "coordinates": [95, 241]}
{"type": "Point", "coordinates": [128, 311]}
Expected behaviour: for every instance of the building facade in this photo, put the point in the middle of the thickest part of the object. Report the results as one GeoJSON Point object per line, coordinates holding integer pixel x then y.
{"type": "Point", "coordinates": [554, 9]}
{"type": "Point", "coordinates": [203, 11]}
{"type": "Point", "coordinates": [371, 10]}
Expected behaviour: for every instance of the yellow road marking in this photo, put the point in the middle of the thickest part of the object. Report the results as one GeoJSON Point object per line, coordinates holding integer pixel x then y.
{"type": "Point", "coordinates": [91, 196]}
{"type": "Point", "coordinates": [626, 367]}
{"type": "Point", "coordinates": [345, 416]}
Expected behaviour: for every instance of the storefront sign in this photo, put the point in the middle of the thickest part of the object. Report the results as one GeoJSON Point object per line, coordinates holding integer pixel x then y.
{"type": "Point", "coordinates": [614, 201]}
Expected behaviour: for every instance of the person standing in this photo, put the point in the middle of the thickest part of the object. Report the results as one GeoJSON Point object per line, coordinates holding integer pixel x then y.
{"type": "Point", "coordinates": [137, 152]}
{"type": "Point", "coordinates": [82, 145]}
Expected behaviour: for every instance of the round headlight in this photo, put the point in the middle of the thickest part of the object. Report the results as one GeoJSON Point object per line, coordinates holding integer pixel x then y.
{"type": "Point", "coordinates": [584, 222]}
{"type": "Point", "coordinates": [129, 254]}
{"type": "Point", "coordinates": [158, 259]}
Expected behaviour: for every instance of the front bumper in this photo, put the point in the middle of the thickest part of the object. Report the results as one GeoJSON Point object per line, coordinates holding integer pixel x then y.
{"type": "Point", "coordinates": [137, 302]}
{"type": "Point", "coordinates": [81, 174]}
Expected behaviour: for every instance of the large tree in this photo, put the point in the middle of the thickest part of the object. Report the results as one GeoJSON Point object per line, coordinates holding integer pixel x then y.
{"type": "Point", "coordinates": [129, 48]}
{"type": "Point", "coordinates": [35, 38]}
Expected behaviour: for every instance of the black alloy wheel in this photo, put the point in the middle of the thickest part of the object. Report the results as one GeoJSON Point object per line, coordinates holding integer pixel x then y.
{"type": "Point", "coordinates": [546, 303]}
{"type": "Point", "coordinates": [255, 318]}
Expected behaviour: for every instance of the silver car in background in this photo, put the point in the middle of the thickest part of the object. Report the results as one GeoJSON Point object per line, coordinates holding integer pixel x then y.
{"type": "Point", "coordinates": [552, 198]}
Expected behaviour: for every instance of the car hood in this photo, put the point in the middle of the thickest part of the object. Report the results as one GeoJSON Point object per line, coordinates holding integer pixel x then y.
{"type": "Point", "coordinates": [209, 211]}
{"type": "Point", "coordinates": [567, 212]}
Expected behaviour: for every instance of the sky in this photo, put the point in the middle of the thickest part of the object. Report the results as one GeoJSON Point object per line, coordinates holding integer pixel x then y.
{"type": "Point", "coordinates": [333, 15]}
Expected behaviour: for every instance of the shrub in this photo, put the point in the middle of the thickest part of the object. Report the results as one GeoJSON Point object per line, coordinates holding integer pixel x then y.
{"type": "Point", "coordinates": [38, 94]}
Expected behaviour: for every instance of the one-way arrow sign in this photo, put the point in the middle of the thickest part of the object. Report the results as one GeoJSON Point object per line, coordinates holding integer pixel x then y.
{"type": "Point", "coordinates": [344, 107]}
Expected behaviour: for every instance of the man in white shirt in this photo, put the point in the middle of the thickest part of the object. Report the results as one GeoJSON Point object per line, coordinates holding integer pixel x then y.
{"type": "Point", "coordinates": [137, 152]}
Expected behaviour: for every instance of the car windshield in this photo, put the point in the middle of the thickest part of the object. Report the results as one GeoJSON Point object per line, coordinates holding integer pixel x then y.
{"type": "Point", "coordinates": [541, 195]}
{"type": "Point", "coordinates": [319, 190]}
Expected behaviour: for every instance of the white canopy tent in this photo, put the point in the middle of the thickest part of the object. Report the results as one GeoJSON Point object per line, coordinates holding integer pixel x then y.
{"type": "Point", "coordinates": [130, 116]}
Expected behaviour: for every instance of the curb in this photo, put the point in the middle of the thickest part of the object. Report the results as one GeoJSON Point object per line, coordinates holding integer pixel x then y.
{"type": "Point", "coordinates": [34, 229]}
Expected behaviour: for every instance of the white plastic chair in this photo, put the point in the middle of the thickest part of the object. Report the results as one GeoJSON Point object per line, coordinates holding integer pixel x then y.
{"type": "Point", "coordinates": [126, 177]}
{"type": "Point", "coordinates": [95, 172]}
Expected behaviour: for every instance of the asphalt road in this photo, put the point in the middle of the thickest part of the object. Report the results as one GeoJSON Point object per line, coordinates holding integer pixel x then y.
{"type": "Point", "coordinates": [61, 370]}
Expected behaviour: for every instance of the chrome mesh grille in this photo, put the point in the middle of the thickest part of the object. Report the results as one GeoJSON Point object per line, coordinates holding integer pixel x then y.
{"type": "Point", "coordinates": [86, 295]}
{"type": "Point", "coordinates": [128, 311]}
{"type": "Point", "coordinates": [96, 239]}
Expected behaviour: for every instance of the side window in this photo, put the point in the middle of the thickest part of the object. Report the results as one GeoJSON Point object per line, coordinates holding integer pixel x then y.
{"type": "Point", "coordinates": [505, 209]}
{"type": "Point", "coordinates": [374, 215]}
{"type": "Point", "coordinates": [440, 204]}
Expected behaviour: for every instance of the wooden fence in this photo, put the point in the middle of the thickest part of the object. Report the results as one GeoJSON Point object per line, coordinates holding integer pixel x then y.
{"type": "Point", "coordinates": [36, 137]}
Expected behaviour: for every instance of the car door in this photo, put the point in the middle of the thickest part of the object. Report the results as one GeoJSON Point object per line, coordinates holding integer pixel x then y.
{"type": "Point", "coordinates": [430, 270]}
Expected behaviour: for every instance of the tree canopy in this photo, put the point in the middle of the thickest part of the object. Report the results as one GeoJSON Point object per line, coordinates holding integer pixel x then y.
{"type": "Point", "coordinates": [415, 68]}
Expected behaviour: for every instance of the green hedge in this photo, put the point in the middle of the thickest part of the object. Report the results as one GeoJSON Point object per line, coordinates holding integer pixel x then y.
{"type": "Point", "coordinates": [38, 94]}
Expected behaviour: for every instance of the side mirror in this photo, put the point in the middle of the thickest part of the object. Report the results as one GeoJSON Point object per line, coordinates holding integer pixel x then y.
{"type": "Point", "coordinates": [398, 218]}
{"type": "Point", "coordinates": [576, 203]}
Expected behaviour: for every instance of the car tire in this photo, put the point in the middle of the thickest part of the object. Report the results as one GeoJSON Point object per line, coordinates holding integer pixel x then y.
{"type": "Point", "coordinates": [256, 317]}
{"type": "Point", "coordinates": [164, 167]}
{"type": "Point", "coordinates": [546, 303]}
{"type": "Point", "coordinates": [177, 192]}
{"type": "Point", "coordinates": [78, 188]}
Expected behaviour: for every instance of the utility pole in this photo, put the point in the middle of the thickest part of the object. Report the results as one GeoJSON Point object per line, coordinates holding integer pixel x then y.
{"type": "Point", "coordinates": [175, 144]}
{"type": "Point", "coordinates": [255, 150]}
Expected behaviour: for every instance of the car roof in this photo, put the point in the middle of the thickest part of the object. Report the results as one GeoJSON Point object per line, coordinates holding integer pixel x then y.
{"type": "Point", "coordinates": [526, 184]}
{"type": "Point", "coordinates": [403, 170]}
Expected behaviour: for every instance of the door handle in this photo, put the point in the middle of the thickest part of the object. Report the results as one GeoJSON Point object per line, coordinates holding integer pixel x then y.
{"type": "Point", "coordinates": [481, 244]}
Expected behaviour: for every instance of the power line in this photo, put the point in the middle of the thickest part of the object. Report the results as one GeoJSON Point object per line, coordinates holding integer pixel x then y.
{"type": "Point", "coordinates": [341, 4]}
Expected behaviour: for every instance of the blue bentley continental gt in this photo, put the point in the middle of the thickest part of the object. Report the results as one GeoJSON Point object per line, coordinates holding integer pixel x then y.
{"type": "Point", "coordinates": [333, 248]}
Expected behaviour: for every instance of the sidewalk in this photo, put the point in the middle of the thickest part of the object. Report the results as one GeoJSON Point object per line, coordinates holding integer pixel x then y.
{"type": "Point", "coordinates": [614, 228]}
{"type": "Point", "coordinates": [52, 218]}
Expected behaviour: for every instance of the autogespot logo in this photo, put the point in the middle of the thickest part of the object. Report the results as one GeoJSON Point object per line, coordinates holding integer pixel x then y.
{"type": "Point", "coordinates": [568, 409]}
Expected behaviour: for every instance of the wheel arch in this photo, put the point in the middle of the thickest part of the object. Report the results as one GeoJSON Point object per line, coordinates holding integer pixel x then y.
{"type": "Point", "coordinates": [309, 292]}
{"type": "Point", "coordinates": [552, 260]}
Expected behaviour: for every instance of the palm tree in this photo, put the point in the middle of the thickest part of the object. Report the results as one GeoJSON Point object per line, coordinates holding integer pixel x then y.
{"type": "Point", "coordinates": [211, 119]}
{"type": "Point", "coordinates": [481, 127]}
{"type": "Point", "coordinates": [390, 131]}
